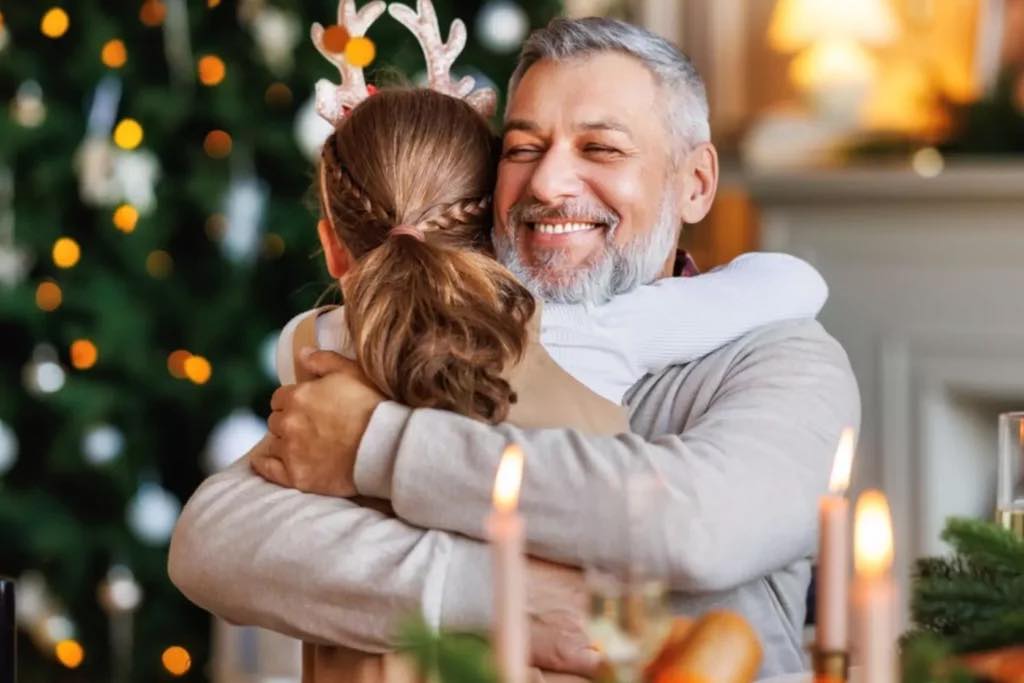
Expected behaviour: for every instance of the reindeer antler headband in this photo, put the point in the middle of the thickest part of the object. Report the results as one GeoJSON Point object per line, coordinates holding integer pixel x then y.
{"type": "Point", "coordinates": [333, 101]}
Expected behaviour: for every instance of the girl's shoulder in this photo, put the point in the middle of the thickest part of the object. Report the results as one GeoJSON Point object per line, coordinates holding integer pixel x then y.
{"type": "Point", "coordinates": [317, 327]}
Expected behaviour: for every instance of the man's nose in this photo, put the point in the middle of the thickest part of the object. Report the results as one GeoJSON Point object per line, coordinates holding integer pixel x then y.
{"type": "Point", "coordinates": [555, 178]}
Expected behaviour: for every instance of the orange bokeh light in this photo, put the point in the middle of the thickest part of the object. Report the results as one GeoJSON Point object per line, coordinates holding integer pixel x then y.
{"type": "Point", "coordinates": [176, 363]}
{"type": "Point", "coordinates": [336, 38]}
{"type": "Point", "coordinates": [84, 354]}
{"type": "Point", "coordinates": [217, 144]}
{"type": "Point", "coordinates": [125, 218]}
{"type": "Point", "coordinates": [114, 54]}
{"type": "Point", "coordinates": [211, 70]}
{"type": "Point", "coordinates": [69, 653]}
{"type": "Point", "coordinates": [198, 369]}
{"type": "Point", "coordinates": [176, 660]}
{"type": "Point", "coordinates": [153, 13]}
{"type": "Point", "coordinates": [66, 252]}
{"type": "Point", "coordinates": [49, 296]}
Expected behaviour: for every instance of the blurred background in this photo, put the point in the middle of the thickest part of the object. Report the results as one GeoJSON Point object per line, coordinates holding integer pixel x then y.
{"type": "Point", "coordinates": [156, 233]}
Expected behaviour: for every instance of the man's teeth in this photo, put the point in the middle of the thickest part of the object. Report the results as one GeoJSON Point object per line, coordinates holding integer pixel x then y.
{"type": "Point", "coordinates": [560, 228]}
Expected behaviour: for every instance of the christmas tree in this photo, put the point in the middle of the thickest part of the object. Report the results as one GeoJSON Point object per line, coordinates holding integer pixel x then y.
{"type": "Point", "coordinates": [155, 234]}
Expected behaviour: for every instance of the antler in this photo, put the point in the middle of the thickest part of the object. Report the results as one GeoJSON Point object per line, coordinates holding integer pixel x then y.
{"type": "Point", "coordinates": [441, 55]}
{"type": "Point", "coordinates": [333, 99]}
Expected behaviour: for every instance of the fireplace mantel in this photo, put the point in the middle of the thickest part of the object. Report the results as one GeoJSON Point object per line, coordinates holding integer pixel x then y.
{"type": "Point", "coordinates": [961, 180]}
{"type": "Point", "coordinates": [926, 280]}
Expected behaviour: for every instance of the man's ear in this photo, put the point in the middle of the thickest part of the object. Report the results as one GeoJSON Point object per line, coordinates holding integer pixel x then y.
{"type": "Point", "coordinates": [699, 182]}
{"type": "Point", "coordinates": [338, 257]}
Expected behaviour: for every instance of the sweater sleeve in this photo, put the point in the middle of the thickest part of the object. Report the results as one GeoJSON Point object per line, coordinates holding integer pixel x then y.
{"type": "Point", "coordinates": [324, 570]}
{"type": "Point", "coordinates": [679, 319]}
{"type": "Point", "coordinates": [321, 569]}
{"type": "Point", "coordinates": [742, 477]}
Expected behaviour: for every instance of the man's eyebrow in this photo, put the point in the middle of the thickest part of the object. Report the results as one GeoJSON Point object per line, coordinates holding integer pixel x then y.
{"type": "Point", "coordinates": [605, 124]}
{"type": "Point", "coordinates": [521, 124]}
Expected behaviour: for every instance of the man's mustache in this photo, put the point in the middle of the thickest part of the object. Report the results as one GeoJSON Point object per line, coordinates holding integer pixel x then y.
{"type": "Point", "coordinates": [572, 210]}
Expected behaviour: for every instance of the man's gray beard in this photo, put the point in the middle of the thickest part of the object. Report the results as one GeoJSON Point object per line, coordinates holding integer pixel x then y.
{"type": "Point", "coordinates": [616, 270]}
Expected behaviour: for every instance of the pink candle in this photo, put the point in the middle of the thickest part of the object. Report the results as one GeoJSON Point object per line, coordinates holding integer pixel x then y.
{"type": "Point", "coordinates": [834, 553]}
{"type": "Point", "coordinates": [874, 592]}
{"type": "Point", "coordinates": [505, 530]}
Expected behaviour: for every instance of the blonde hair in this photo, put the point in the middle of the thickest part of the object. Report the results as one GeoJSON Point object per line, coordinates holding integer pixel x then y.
{"type": "Point", "coordinates": [434, 322]}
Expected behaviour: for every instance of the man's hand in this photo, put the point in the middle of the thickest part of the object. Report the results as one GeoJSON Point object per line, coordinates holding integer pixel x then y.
{"type": "Point", "coordinates": [316, 427]}
{"type": "Point", "coordinates": [556, 602]}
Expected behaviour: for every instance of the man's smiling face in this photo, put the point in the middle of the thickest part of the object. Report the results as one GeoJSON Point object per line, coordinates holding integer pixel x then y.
{"type": "Point", "coordinates": [585, 173]}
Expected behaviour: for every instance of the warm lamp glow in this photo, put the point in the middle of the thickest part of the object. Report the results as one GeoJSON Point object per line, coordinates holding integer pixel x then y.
{"type": "Point", "coordinates": [843, 462]}
{"type": "Point", "coordinates": [872, 535]}
{"type": "Point", "coordinates": [508, 479]}
{"type": "Point", "coordinates": [832, 62]}
{"type": "Point", "coordinates": [795, 24]}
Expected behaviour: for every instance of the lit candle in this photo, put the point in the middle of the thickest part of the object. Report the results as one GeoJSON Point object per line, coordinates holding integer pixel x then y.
{"type": "Point", "coordinates": [834, 554]}
{"type": "Point", "coordinates": [874, 592]}
{"type": "Point", "coordinates": [506, 533]}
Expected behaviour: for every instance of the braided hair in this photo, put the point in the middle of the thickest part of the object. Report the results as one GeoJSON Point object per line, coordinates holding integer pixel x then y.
{"type": "Point", "coordinates": [434, 322]}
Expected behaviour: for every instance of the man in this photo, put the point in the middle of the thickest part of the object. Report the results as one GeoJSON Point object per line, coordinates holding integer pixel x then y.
{"type": "Point", "coordinates": [606, 154]}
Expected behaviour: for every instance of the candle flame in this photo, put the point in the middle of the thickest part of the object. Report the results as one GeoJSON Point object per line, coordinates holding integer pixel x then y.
{"type": "Point", "coordinates": [872, 535]}
{"type": "Point", "coordinates": [508, 479]}
{"type": "Point", "coordinates": [843, 463]}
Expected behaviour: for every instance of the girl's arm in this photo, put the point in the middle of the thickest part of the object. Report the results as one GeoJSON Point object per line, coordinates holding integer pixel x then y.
{"type": "Point", "coordinates": [679, 319]}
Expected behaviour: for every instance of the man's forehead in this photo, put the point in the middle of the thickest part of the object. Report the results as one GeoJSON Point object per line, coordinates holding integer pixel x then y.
{"type": "Point", "coordinates": [618, 94]}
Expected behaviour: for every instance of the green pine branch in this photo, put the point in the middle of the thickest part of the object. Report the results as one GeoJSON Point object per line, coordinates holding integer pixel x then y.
{"type": "Point", "coordinates": [974, 599]}
{"type": "Point", "coordinates": [986, 545]}
{"type": "Point", "coordinates": [447, 658]}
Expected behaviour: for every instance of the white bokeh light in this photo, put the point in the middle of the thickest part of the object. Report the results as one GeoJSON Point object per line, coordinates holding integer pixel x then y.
{"type": "Point", "coordinates": [152, 513]}
{"type": "Point", "coordinates": [311, 130]}
{"type": "Point", "coordinates": [8, 448]}
{"type": "Point", "coordinates": [231, 438]}
{"type": "Point", "coordinates": [502, 25]}
{"type": "Point", "coordinates": [102, 443]}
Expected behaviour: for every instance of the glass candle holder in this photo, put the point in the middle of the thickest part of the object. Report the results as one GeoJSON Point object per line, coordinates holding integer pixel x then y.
{"type": "Point", "coordinates": [1010, 475]}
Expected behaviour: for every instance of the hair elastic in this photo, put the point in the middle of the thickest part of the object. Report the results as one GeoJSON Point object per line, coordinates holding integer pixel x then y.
{"type": "Point", "coordinates": [407, 229]}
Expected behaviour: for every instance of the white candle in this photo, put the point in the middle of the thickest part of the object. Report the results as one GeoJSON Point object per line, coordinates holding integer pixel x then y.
{"type": "Point", "coordinates": [505, 530]}
{"type": "Point", "coordinates": [834, 553]}
{"type": "Point", "coordinates": [874, 592]}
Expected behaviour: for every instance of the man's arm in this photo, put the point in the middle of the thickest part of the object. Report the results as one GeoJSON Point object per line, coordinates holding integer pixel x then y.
{"type": "Point", "coordinates": [321, 569]}
{"type": "Point", "coordinates": [328, 571]}
{"type": "Point", "coordinates": [761, 419]}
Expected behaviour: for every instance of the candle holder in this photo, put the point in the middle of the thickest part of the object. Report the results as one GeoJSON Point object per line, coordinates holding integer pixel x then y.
{"type": "Point", "coordinates": [830, 666]}
{"type": "Point", "coordinates": [1010, 474]}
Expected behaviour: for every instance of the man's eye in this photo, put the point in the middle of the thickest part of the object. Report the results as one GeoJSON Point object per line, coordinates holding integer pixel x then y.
{"type": "Point", "coordinates": [601, 149]}
{"type": "Point", "coordinates": [521, 153]}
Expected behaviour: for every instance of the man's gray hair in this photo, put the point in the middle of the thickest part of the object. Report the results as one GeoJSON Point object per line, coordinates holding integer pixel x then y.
{"type": "Point", "coordinates": [564, 39]}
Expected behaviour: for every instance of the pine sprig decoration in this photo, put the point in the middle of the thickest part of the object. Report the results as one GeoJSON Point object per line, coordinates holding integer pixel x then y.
{"type": "Point", "coordinates": [929, 659]}
{"type": "Point", "coordinates": [447, 658]}
{"type": "Point", "coordinates": [975, 598]}
{"type": "Point", "coordinates": [985, 545]}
